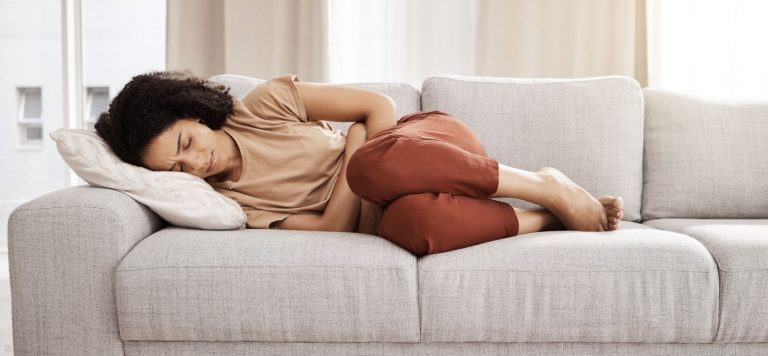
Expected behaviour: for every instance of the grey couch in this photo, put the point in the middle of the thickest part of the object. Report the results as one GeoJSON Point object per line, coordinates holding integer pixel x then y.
{"type": "Point", "coordinates": [93, 272]}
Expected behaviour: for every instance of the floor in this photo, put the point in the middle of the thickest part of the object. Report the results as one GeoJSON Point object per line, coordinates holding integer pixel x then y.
{"type": "Point", "coordinates": [6, 333]}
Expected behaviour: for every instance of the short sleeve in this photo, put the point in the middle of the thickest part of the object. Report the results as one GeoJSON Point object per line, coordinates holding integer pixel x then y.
{"type": "Point", "coordinates": [277, 99]}
{"type": "Point", "coordinates": [261, 219]}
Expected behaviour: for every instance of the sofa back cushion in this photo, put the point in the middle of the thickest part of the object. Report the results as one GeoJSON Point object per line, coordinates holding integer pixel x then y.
{"type": "Point", "coordinates": [704, 158]}
{"type": "Point", "coordinates": [405, 96]}
{"type": "Point", "coordinates": [591, 129]}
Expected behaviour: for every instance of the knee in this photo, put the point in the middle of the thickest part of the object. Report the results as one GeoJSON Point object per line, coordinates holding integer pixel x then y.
{"type": "Point", "coordinates": [370, 175]}
{"type": "Point", "coordinates": [358, 177]}
{"type": "Point", "coordinates": [405, 223]}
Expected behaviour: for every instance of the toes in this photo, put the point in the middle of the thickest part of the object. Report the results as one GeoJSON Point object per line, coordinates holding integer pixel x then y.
{"type": "Point", "coordinates": [618, 203]}
{"type": "Point", "coordinates": [616, 214]}
{"type": "Point", "coordinates": [606, 200]}
{"type": "Point", "coordinates": [613, 208]}
{"type": "Point", "coordinates": [612, 204]}
{"type": "Point", "coordinates": [604, 221]}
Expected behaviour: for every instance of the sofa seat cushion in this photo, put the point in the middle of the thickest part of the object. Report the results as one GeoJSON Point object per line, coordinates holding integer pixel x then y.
{"type": "Point", "coordinates": [627, 285]}
{"type": "Point", "coordinates": [267, 285]}
{"type": "Point", "coordinates": [739, 248]}
{"type": "Point", "coordinates": [589, 128]}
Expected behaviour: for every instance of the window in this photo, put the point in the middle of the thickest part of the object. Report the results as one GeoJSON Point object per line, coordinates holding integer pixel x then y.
{"type": "Point", "coordinates": [41, 44]}
{"type": "Point", "coordinates": [31, 104]}
{"type": "Point", "coordinates": [709, 47]}
{"type": "Point", "coordinates": [30, 118]}
{"type": "Point", "coordinates": [96, 102]}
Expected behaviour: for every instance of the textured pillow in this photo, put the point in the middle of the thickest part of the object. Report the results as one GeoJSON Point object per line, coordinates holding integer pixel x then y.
{"type": "Point", "coordinates": [180, 198]}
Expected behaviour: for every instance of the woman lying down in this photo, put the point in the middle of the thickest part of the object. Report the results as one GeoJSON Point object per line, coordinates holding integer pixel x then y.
{"type": "Point", "coordinates": [423, 181]}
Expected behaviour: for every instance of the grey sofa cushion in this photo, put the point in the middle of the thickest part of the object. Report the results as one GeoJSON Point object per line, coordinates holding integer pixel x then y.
{"type": "Point", "coordinates": [629, 285]}
{"type": "Point", "coordinates": [591, 129]}
{"type": "Point", "coordinates": [704, 158]}
{"type": "Point", "coordinates": [407, 98]}
{"type": "Point", "coordinates": [267, 285]}
{"type": "Point", "coordinates": [740, 248]}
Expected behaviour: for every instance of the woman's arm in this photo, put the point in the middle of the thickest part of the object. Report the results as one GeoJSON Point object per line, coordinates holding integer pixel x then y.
{"type": "Point", "coordinates": [345, 211]}
{"type": "Point", "coordinates": [342, 211]}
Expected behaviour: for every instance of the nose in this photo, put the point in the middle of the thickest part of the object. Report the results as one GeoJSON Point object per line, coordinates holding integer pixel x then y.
{"type": "Point", "coordinates": [197, 163]}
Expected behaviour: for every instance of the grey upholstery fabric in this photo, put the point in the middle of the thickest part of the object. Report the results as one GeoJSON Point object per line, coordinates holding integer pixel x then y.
{"type": "Point", "coordinates": [63, 250]}
{"type": "Point", "coordinates": [703, 158]}
{"type": "Point", "coordinates": [632, 285]}
{"type": "Point", "coordinates": [590, 129]}
{"type": "Point", "coordinates": [740, 248]}
{"type": "Point", "coordinates": [136, 348]}
{"type": "Point", "coordinates": [267, 285]}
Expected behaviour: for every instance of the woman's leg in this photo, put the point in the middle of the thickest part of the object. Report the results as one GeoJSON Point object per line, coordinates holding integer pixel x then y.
{"type": "Point", "coordinates": [573, 205]}
{"type": "Point", "coordinates": [431, 152]}
{"type": "Point", "coordinates": [429, 223]}
{"type": "Point", "coordinates": [435, 152]}
{"type": "Point", "coordinates": [535, 220]}
{"type": "Point", "coordinates": [432, 223]}
{"type": "Point", "coordinates": [389, 167]}
{"type": "Point", "coordinates": [517, 183]}
{"type": "Point", "coordinates": [427, 151]}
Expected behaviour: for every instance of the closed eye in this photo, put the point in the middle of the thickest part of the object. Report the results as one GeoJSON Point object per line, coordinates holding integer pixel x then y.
{"type": "Point", "coordinates": [189, 144]}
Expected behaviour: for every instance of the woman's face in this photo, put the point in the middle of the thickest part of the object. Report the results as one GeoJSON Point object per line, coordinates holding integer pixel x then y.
{"type": "Point", "coordinates": [187, 146]}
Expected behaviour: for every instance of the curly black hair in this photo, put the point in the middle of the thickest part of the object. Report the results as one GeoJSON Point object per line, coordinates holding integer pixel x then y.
{"type": "Point", "coordinates": [151, 102]}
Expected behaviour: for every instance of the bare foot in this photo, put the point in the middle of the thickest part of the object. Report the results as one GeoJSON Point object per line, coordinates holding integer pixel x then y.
{"type": "Point", "coordinates": [573, 205]}
{"type": "Point", "coordinates": [614, 210]}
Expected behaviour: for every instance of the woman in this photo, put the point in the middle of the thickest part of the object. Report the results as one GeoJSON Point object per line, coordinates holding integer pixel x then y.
{"type": "Point", "coordinates": [423, 181]}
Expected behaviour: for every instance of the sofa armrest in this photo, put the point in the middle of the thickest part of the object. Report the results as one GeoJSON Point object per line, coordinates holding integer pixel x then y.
{"type": "Point", "coordinates": [63, 250]}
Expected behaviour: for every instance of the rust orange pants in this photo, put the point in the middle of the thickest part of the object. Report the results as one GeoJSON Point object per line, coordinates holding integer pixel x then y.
{"type": "Point", "coordinates": [433, 177]}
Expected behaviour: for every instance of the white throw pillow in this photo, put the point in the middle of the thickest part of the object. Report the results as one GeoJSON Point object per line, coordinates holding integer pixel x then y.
{"type": "Point", "coordinates": [180, 198]}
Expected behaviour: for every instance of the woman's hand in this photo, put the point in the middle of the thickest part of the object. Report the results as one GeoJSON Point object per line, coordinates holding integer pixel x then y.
{"type": "Point", "coordinates": [343, 208]}
{"type": "Point", "coordinates": [370, 213]}
{"type": "Point", "coordinates": [355, 136]}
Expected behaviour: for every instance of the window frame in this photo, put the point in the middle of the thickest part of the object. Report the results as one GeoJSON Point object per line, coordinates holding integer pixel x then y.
{"type": "Point", "coordinates": [72, 68]}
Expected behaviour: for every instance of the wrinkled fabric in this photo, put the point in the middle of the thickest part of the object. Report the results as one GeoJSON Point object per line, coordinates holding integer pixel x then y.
{"type": "Point", "coordinates": [433, 177]}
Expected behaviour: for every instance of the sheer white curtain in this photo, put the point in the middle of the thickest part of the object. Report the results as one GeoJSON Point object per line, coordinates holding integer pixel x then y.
{"type": "Point", "coordinates": [409, 41]}
{"type": "Point", "coordinates": [343, 41]}
{"type": "Point", "coordinates": [401, 40]}
{"type": "Point", "coordinates": [562, 39]}
{"type": "Point", "coordinates": [709, 47]}
{"type": "Point", "coordinates": [258, 38]}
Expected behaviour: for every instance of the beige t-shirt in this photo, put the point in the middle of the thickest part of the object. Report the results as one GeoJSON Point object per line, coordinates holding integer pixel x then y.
{"type": "Point", "coordinates": [290, 163]}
